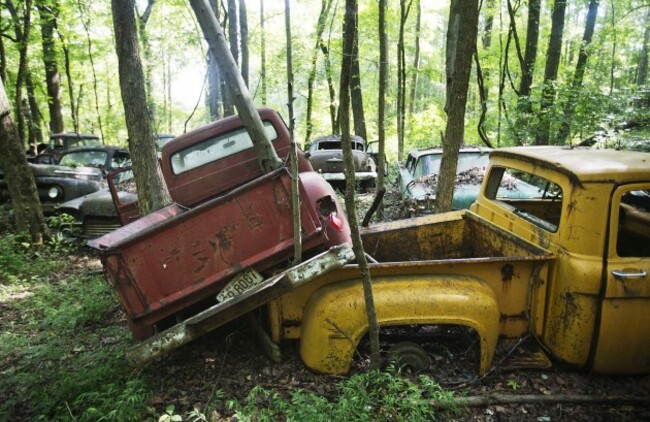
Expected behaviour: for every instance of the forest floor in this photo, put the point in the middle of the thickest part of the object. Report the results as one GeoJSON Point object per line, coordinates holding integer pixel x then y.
{"type": "Point", "coordinates": [228, 363]}
{"type": "Point", "coordinates": [231, 360]}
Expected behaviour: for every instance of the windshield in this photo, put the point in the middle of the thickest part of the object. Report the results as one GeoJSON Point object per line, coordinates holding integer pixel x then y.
{"type": "Point", "coordinates": [84, 158]}
{"type": "Point", "coordinates": [216, 148]}
{"type": "Point", "coordinates": [430, 164]}
{"type": "Point", "coordinates": [71, 142]}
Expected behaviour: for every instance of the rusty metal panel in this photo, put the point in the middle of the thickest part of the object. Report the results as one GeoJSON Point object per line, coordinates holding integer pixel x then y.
{"type": "Point", "coordinates": [169, 260]}
{"type": "Point", "coordinates": [230, 309]}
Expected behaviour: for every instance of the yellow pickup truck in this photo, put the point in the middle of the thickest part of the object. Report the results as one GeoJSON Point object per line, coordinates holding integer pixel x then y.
{"type": "Point", "coordinates": [568, 264]}
{"type": "Point", "coordinates": [565, 260]}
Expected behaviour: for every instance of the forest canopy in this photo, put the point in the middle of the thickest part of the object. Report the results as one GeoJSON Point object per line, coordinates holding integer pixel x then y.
{"type": "Point", "coordinates": [506, 105]}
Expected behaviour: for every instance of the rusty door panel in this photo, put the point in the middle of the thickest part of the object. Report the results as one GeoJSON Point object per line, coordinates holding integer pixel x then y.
{"type": "Point", "coordinates": [160, 269]}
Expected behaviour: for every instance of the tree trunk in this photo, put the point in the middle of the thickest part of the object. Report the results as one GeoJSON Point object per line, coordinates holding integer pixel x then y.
{"type": "Point", "coordinates": [489, 22]}
{"type": "Point", "coordinates": [214, 95]}
{"type": "Point", "coordinates": [231, 21]}
{"type": "Point", "coordinates": [381, 103]}
{"type": "Point", "coordinates": [532, 37]}
{"type": "Point", "coordinates": [550, 72]}
{"type": "Point", "coordinates": [262, 54]}
{"type": "Point", "coordinates": [330, 87]}
{"type": "Point", "coordinates": [453, 31]}
{"type": "Point", "coordinates": [401, 78]}
{"type": "Point", "coordinates": [642, 74]}
{"type": "Point", "coordinates": [416, 61]}
{"type": "Point", "coordinates": [355, 90]}
{"type": "Point", "coordinates": [213, 33]}
{"type": "Point", "coordinates": [21, 29]}
{"type": "Point", "coordinates": [457, 98]}
{"type": "Point", "coordinates": [243, 32]}
{"type": "Point", "coordinates": [48, 17]}
{"type": "Point", "coordinates": [232, 30]}
{"type": "Point", "coordinates": [293, 151]}
{"type": "Point", "coordinates": [20, 179]}
{"type": "Point", "coordinates": [320, 27]}
{"type": "Point", "coordinates": [146, 49]}
{"type": "Point", "coordinates": [152, 191]}
{"type": "Point", "coordinates": [34, 118]}
{"type": "Point", "coordinates": [349, 39]}
{"type": "Point", "coordinates": [579, 74]}
{"type": "Point", "coordinates": [3, 54]}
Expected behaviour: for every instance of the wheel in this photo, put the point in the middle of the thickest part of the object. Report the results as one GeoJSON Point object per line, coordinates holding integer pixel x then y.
{"type": "Point", "coordinates": [408, 356]}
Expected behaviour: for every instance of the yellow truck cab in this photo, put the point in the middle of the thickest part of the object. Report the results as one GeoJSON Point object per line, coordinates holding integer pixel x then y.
{"type": "Point", "coordinates": [594, 217]}
{"type": "Point", "coordinates": [567, 264]}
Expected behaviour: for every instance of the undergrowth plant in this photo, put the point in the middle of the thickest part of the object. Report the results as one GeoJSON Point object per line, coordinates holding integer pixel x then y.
{"type": "Point", "coordinates": [60, 353]}
{"type": "Point", "coordinates": [370, 396]}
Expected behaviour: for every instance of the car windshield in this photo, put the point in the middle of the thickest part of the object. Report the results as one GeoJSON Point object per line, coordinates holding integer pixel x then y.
{"type": "Point", "coordinates": [72, 142]}
{"type": "Point", "coordinates": [216, 148]}
{"type": "Point", "coordinates": [326, 145]}
{"type": "Point", "coordinates": [430, 164]}
{"type": "Point", "coordinates": [84, 158]}
{"type": "Point", "coordinates": [125, 181]}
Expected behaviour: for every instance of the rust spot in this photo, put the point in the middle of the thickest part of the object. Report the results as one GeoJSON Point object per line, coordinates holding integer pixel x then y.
{"type": "Point", "coordinates": [507, 271]}
{"type": "Point", "coordinates": [254, 219]}
{"type": "Point", "coordinates": [571, 206]}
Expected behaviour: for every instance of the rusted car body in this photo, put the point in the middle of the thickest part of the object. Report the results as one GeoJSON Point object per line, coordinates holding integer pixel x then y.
{"type": "Point", "coordinates": [227, 217]}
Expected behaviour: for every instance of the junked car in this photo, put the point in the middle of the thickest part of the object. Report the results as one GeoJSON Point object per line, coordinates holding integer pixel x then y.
{"type": "Point", "coordinates": [418, 179]}
{"type": "Point", "coordinates": [95, 214]}
{"type": "Point", "coordinates": [61, 142]}
{"type": "Point", "coordinates": [326, 156]}
{"type": "Point", "coordinates": [81, 171]}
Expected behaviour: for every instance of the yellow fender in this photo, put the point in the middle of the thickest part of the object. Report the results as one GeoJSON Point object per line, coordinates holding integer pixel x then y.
{"type": "Point", "coordinates": [335, 317]}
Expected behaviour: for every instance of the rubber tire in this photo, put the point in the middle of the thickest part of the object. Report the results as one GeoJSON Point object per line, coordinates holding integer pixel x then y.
{"type": "Point", "coordinates": [408, 355]}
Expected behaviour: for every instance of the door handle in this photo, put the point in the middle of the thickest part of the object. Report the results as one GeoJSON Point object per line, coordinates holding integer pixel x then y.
{"type": "Point", "coordinates": [623, 275]}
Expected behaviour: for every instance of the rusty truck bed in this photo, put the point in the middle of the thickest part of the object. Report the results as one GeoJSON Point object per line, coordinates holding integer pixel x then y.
{"type": "Point", "coordinates": [442, 245]}
{"type": "Point", "coordinates": [174, 258]}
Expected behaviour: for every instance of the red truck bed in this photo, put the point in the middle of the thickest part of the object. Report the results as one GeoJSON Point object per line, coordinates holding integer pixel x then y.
{"type": "Point", "coordinates": [174, 258]}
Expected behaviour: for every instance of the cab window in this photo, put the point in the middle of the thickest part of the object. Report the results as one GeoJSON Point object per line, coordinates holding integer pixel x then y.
{"type": "Point", "coordinates": [216, 148]}
{"type": "Point", "coordinates": [633, 229]}
{"type": "Point", "coordinates": [527, 195]}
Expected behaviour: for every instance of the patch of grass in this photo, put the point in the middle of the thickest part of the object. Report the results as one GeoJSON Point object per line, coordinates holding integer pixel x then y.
{"type": "Point", "coordinates": [62, 345]}
{"type": "Point", "coordinates": [57, 342]}
{"type": "Point", "coordinates": [372, 396]}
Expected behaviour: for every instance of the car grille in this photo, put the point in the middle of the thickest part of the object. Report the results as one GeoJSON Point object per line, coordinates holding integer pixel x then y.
{"type": "Point", "coordinates": [98, 227]}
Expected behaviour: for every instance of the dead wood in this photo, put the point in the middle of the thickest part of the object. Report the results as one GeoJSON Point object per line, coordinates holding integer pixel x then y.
{"type": "Point", "coordinates": [501, 398]}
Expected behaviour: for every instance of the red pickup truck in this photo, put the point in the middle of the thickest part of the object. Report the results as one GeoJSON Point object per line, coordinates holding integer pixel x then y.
{"type": "Point", "coordinates": [227, 217]}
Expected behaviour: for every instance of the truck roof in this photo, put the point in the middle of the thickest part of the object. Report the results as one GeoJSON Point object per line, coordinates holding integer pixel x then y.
{"type": "Point", "coordinates": [585, 165]}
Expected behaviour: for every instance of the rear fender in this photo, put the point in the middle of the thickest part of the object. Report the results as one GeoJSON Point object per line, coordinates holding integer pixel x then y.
{"type": "Point", "coordinates": [335, 317]}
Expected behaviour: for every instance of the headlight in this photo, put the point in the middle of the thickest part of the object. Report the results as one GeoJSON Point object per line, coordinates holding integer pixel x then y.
{"type": "Point", "coordinates": [53, 192]}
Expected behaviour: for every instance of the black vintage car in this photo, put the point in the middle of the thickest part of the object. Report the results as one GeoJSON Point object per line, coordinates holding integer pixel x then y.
{"type": "Point", "coordinates": [80, 171]}
{"type": "Point", "coordinates": [95, 213]}
{"type": "Point", "coordinates": [60, 143]}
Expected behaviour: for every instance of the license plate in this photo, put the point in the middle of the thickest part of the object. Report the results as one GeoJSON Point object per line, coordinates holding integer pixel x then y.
{"type": "Point", "coordinates": [242, 282]}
